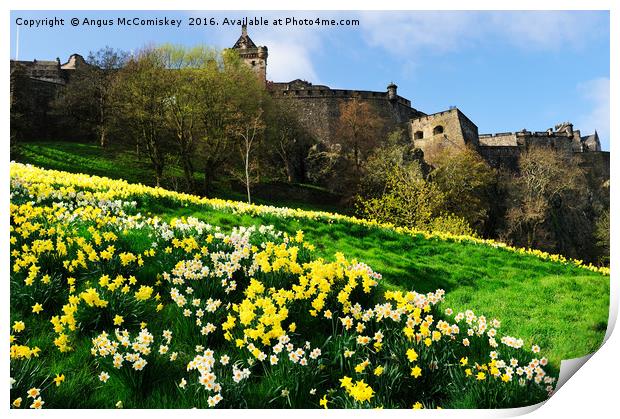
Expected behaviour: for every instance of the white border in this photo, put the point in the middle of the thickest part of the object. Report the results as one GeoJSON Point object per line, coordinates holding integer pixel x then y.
{"type": "Point", "coordinates": [593, 389]}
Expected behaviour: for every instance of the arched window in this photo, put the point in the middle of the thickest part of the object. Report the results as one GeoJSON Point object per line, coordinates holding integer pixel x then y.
{"type": "Point", "coordinates": [418, 135]}
{"type": "Point", "coordinates": [438, 130]}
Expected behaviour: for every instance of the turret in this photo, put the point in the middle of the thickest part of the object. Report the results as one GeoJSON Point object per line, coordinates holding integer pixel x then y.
{"type": "Point", "coordinates": [391, 92]}
{"type": "Point", "coordinates": [254, 56]}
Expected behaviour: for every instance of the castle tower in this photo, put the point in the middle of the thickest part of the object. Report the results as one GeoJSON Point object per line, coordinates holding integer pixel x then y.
{"type": "Point", "coordinates": [392, 92]}
{"type": "Point", "coordinates": [255, 57]}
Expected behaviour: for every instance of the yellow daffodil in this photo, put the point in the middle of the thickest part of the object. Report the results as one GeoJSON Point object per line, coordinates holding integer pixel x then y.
{"type": "Point", "coordinates": [59, 379]}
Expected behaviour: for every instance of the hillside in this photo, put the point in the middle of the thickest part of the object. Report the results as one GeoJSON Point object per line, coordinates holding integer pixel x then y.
{"type": "Point", "coordinates": [543, 299]}
{"type": "Point", "coordinates": [116, 162]}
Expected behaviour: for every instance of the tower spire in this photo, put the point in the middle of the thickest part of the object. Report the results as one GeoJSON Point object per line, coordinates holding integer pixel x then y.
{"type": "Point", "coordinates": [244, 30]}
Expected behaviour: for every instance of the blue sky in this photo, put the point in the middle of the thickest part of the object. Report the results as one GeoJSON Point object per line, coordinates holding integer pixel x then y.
{"type": "Point", "coordinates": [505, 70]}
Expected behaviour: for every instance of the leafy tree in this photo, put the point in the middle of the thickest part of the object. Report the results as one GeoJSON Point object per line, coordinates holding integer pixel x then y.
{"type": "Point", "coordinates": [88, 98]}
{"type": "Point", "coordinates": [466, 181]}
{"type": "Point", "coordinates": [410, 201]}
{"type": "Point", "coordinates": [393, 152]}
{"type": "Point", "coordinates": [286, 142]}
{"type": "Point", "coordinates": [232, 99]}
{"type": "Point", "coordinates": [144, 92]}
{"type": "Point", "coordinates": [186, 107]}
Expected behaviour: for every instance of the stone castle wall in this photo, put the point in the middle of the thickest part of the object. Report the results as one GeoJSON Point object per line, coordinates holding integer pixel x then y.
{"type": "Point", "coordinates": [318, 107]}
{"type": "Point", "coordinates": [447, 129]}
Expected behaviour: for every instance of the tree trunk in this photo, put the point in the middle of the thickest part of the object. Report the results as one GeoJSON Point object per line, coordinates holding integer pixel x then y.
{"type": "Point", "coordinates": [159, 170]}
{"type": "Point", "coordinates": [188, 171]}
{"type": "Point", "coordinates": [103, 138]}
{"type": "Point", "coordinates": [208, 179]}
{"type": "Point", "coordinates": [289, 171]}
{"type": "Point", "coordinates": [247, 172]}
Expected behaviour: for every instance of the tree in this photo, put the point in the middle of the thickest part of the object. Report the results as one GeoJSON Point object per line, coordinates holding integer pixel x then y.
{"type": "Point", "coordinates": [547, 206]}
{"type": "Point", "coordinates": [359, 130]}
{"type": "Point", "coordinates": [408, 200]}
{"type": "Point", "coordinates": [247, 130]}
{"type": "Point", "coordinates": [394, 151]}
{"type": "Point", "coordinates": [144, 93]}
{"type": "Point", "coordinates": [466, 181]}
{"type": "Point", "coordinates": [286, 142]}
{"type": "Point", "coordinates": [230, 94]}
{"type": "Point", "coordinates": [88, 97]}
{"type": "Point", "coordinates": [245, 117]}
{"type": "Point", "coordinates": [187, 105]}
{"type": "Point", "coordinates": [602, 234]}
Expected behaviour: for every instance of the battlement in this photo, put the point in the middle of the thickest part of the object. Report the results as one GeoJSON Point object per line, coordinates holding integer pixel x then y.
{"type": "Point", "coordinates": [428, 117]}
{"type": "Point", "coordinates": [303, 89]}
{"type": "Point", "coordinates": [525, 133]}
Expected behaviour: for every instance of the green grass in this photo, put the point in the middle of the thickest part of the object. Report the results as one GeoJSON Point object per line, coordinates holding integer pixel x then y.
{"type": "Point", "coordinates": [117, 162]}
{"type": "Point", "coordinates": [562, 308]}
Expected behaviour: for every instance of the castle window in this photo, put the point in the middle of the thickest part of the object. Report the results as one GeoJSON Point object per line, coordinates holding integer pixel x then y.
{"type": "Point", "coordinates": [438, 130]}
{"type": "Point", "coordinates": [418, 135]}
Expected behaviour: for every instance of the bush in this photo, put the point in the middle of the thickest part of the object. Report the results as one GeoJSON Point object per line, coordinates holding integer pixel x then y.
{"type": "Point", "coordinates": [410, 201]}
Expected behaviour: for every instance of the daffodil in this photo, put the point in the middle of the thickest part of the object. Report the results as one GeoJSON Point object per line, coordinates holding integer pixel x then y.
{"type": "Point", "coordinates": [37, 403]}
{"type": "Point", "coordinates": [412, 355]}
{"type": "Point", "coordinates": [33, 392]}
{"type": "Point", "coordinates": [59, 379]}
{"type": "Point", "coordinates": [118, 320]}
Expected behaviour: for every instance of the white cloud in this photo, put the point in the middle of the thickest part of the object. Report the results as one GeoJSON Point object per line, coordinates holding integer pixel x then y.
{"type": "Point", "coordinates": [403, 32]}
{"type": "Point", "coordinates": [289, 60]}
{"type": "Point", "coordinates": [547, 30]}
{"type": "Point", "coordinates": [407, 32]}
{"type": "Point", "coordinates": [291, 49]}
{"type": "Point", "coordinates": [596, 93]}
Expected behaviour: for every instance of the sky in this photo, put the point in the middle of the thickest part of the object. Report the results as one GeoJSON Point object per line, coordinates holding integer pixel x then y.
{"type": "Point", "coordinates": [506, 70]}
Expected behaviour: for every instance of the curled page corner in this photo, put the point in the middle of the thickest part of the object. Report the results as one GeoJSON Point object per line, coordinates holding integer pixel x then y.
{"type": "Point", "coordinates": [568, 368]}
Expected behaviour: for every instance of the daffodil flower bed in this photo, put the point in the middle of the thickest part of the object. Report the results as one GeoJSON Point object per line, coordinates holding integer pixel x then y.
{"type": "Point", "coordinates": [110, 190]}
{"type": "Point", "coordinates": [183, 314]}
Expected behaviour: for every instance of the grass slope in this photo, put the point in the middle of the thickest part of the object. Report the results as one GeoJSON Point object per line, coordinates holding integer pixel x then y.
{"type": "Point", "coordinates": [562, 308]}
{"type": "Point", "coordinates": [116, 162]}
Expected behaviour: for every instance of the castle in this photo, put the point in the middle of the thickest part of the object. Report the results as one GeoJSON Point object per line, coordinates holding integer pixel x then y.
{"type": "Point", "coordinates": [318, 109]}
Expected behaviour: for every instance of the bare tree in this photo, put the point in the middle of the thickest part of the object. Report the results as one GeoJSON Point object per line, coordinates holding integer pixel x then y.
{"type": "Point", "coordinates": [547, 202]}
{"type": "Point", "coordinates": [359, 130]}
{"type": "Point", "coordinates": [248, 130]}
